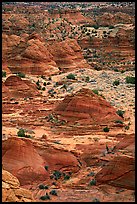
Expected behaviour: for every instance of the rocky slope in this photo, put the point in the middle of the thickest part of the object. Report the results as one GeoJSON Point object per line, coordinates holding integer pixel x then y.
{"type": "Point", "coordinates": [12, 191]}
{"type": "Point", "coordinates": [68, 123]}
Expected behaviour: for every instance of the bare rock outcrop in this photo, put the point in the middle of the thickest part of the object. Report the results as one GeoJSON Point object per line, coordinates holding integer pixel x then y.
{"type": "Point", "coordinates": [12, 191]}
{"type": "Point", "coordinates": [20, 88]}
{"type": "Point", "coordinates": [118, 172]}
{"type": "Point", "coordinates": [85, 105]}
{"type": "Point", "coordinates": [27, 160]}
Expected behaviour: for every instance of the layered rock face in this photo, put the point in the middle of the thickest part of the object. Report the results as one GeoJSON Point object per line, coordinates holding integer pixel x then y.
{"type": "Point", "coordinates": [26, 160]}
{"type": "Point", "coordinates": [111, 19]}
{"type": "Point", "coordinates": [19, 88]}
{"type": "Point", "coordinates": [12, 191]}
{"type": "Point", "coordinates": [87, 106]}
{"type": "Point", "coordinates": [118, 172]}
{"type": "Point", "coordinates": [31, 55]}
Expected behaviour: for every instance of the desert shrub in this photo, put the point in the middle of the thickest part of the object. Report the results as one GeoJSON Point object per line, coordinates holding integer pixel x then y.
{"type": "Point", "coordinates": [111, 27]}
{"type": "Point", "coordinates": [43, 89]}
{"type": "Point", "coordinates": [44, 84]}
{"type": "Point", "coordinates": [91, 173]}
{"type": "Point", "coordinates": [48, 83]}
{"type": "Point", "coordinates": [66, 177]}
{"type": "Point", "coordinates": [116, 69]}
{"type": "Point", "coordinates": [127, 127]}
{"type": "Point", "coordinates": [116, 83]}
{"type": "Point", "coordinates": [92, 182]}
{"type": "Point", "coordinates": [130, 80]}
{"type": "Point", "coordinates": [95, 26]}
{"type": "Point", "coordinates": [106, 129]}
{"type": "Point", "coordinates": [71, 76]}
{"type": "Point", "coordinates": [87, 79]}
{"type": "Point", "coordinates": [119, 121]}
{"type": "Point", "coordinates": [53, 192]}
{"type": "Point", "coordinates": [3, 74]}
{"type": "Point", "coordinates": [39, 87]}
{"type": "Point", "coordinates": [95, 91]}
{"type": "Point", "coordinates": [45, 197]}
{"type": "Point", "coordinates": [57, 174]}
{"type": "Point", "coordinates": [21, 75]}
{"type": "Point", "coordinates": [21, 133]}
{"type": "Point", "coordinates": [95, 200]}
{"type": "Point", "coordinates": [37, 83]}
{"type": "Point", "coordinates": [120, 113]}
{"type": "Point", "coordinates": [43, 77]}
{"type": "Point", "coordinates": [46, 167]}
{"type": "Point", "coordinates": [41, 186]}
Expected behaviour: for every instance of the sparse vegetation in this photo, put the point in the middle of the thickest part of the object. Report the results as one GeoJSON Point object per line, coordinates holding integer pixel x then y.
{"type": "Point", "coordinates": [3, 73]}
{"type": "Point", "coordinates": [119, 121]}
{"type": "Point", "coordinates": [21, 133]}
{"type": "Point", "coordinates": [45, 197]}
{"type": "Point", "coordinates": [130, 80]}
{"type": "Point", "coordinates": [71, 76]}
{"type": "Point", "coordinates": [47, 167]}
{"type": "Point", "coordinates": [21, 75]}
{"type": "Point", "coordinates": [42, 186]}
{"type": "Point", "coordinates": [116, 83]}
{"type": "Point", "coordinates": [120, 113]}
{"type": "Point", "coordinates": [92, 182]}
{"type": "Point", "coordinates": [53, 192]}
{"type": "Point", "coordinates": [106, 129]}
{"type": "Point", "coordinates": [95, 91]}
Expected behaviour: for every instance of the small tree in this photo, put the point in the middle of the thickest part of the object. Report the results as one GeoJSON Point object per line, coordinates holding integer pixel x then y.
{"type": "Point", "coordinates": [106, 129]}
{"type": "Point", "coordinates": [120, 113]}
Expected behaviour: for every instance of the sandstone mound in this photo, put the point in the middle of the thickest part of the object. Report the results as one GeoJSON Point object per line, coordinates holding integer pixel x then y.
{"type": "Point", "coordinates": [32, 55]}
{"type": "Point", "coordinates": [87, 106]}
{"type": "Point", "coordinates": [118, 172]}
{"type": "Point", "coordinates": [20, 88]}
{"type": "Point", "coordinates": [11, 190]}
{"type": "Point", "coordinates": [26, 160]}
{"type": "Point", "coordinates": [22, 160]}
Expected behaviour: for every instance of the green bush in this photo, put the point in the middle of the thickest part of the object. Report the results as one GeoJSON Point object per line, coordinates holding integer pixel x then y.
{"type": "Point", "coordinates": [21, 133]}
{"type": "Point", "coordinates": [92, 182]}
{"type": "Point", "coordinates": [91, 173]}
{"type": "Point", "coordinates": [95, 26]}
{"type": "Point", "coordinates": [95, 91]}
{"type": "Point", "coordinates": [45, 197]}
{"type": "Point", "coordinates": [53, 192]}
{"type": "Point", "coordinates": [71, 76]}
{"type": "Point", "coordinates": [21, 75]}
{"type": "Point", "coordinates": [3, 74]}
{"type": "Point", "coordinates": [119, 121]}
{"type": "Point", "coordinates": [120, 113]}
{"type": "Point", "coordinates": [43, 89]}
{"type": "Point", "coordinates": [46, 167]}
{"type": "Point", "coordinates": [44, 84]}
{"type": "Point", "coordinates": [37, 83]}
{"type": "Point", "coordinates": [66, 177]}
{"type": "Point", "coordinates": [95, 200]}
{"type": "Point", "coordinates": [111, 27]}
{"type": "Point", "coordinates": [87, 79]}
{"type": "Point", "coordinates": [130, 80]}
{"type": "Point", "coordinates": [116, 83]}
{"type": "Point", "coordinates": [41, 186]}
{"type": "Point", "coordinates": [116, 69]}
{"type": "Point", "coordinates": [106, 129]}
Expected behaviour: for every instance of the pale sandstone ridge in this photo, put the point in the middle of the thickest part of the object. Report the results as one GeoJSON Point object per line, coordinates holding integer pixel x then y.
{"type": "Point", "coordinates": [118, 172]}
{"type": "Point", "coordinates": [26, 160]}
{"type": "Point", "coordinates": [12, 191]}
{"type": "Point", "coordinates": [20, 88]}
{"type": "Point", "coordinates": [32, 55]}
{"type": "Point", "coordinates": [87, 106]}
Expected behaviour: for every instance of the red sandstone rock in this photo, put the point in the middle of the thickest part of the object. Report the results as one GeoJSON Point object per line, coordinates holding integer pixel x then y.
{"type": "Point", "coordinates": [88, 106]}
{"type": "Point", "coordinates": [26, 160]}
{"type": "Point", "coordinates": [22, 160]}
{"type": "Point", "coordinates": [118, 172]}
{"type": "Point", "coordinates": [19, 87]}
